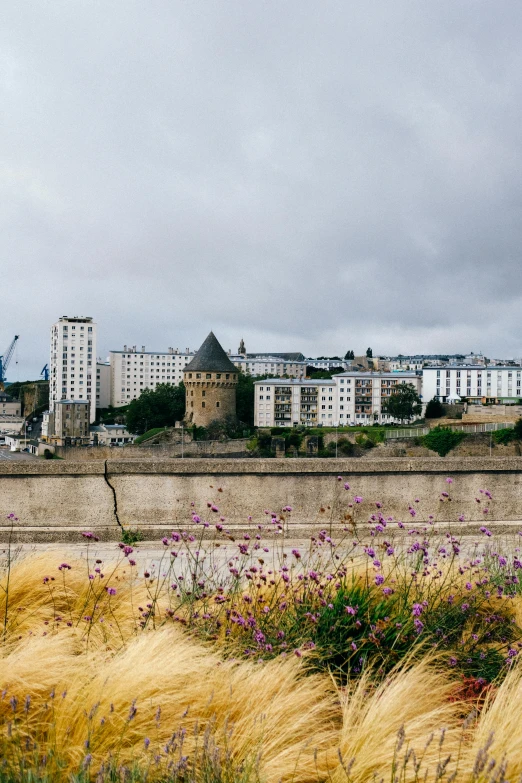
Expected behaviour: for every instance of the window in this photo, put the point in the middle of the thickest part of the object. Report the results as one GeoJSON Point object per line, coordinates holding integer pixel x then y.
{"type": "Point", "coordinates": [203, 393]}
{"type": "Point", "coordinates": [203, 404]}
{"type": "Point", "coordinates": [217, 404]}
{"type": "Point", "coordinates": [208, 376]}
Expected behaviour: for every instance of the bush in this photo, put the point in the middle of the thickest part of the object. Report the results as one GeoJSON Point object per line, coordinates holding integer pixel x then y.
{"type": "Point", "coordinates": [434, 409]}
{"type": "Point", "coordinates": [504, 436]}
{"type": "Point", "coordinates": [442, 440]}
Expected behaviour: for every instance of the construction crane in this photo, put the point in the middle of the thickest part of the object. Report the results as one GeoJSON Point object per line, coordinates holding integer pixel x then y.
{"type": "Point", "coordinates": [4, 362]}
{"type": "Point", "coordinates": [45, 372]}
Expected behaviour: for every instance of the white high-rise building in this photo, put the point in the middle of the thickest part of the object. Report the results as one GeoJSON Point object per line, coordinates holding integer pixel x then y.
{"type": "Point", "coordinates": [73, 362]}
{"type": "Point", "coordinates": [133, 371]}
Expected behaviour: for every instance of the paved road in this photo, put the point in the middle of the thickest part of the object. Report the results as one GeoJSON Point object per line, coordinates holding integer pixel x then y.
{"type": "Point", "coordinates": [6, 455]}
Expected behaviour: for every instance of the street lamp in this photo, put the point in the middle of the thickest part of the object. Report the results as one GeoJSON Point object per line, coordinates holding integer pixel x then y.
{"type": "Point", "coordinates": [336, 425]}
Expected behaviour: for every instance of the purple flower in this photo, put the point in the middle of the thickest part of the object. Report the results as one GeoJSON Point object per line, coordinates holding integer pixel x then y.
{"type": "Point", "coordinates": [468, 586]}
{"type": "Point", "coordinates": [417, 610]}
{"type": "Point", "coordinates": [350, 610]}
{"type": "Point", "coordinates": [111, 590]}
{"type": "Point", "coordinates": [461, 518]}
{"type": "Point", "coordinates": [347, 486]}
{"type": "Point", "coordinates": [64, 567]}
{"type": "Point", "coordinates": [419, 625]}
{"type": "Point", "coordinates": [449, 481]}
{"type": "Point", "coordinates": [296, 553]}
{"type": "Point", "coordinates": [387, 591]}
{"type": "Point", "coordinates": [379, 579]}
{"type": "Point", "coordinates": [353, 646]}
{"type": "Point", "coordinates": [452, 661]}
{"type": "Point", "coordinates": [357, 499]}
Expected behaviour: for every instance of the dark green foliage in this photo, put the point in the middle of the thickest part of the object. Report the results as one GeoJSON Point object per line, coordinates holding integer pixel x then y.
{"type": "Point", "coordinates": [48, 454]}
{"type": "Point", "coordinates": [369, 353]}
{"type": "Point", "coordinates": [111, 415]}
{"type": "Point", "coordinates": [349, 355]}
{"type": "Point", "coordinates": [442, 440]}
{"type": "Point", "coordinates": [504, 436]}
{"type": "Point", "coordinates": [404, 403]}
{"type": "Point", "coordinates": [161, 407]}
{"type": "Point", "coordinates": [517, 429]}
{"type": "Point", "coordinates": [149, 434]}
{"type": "Point", "coordinates": [245, 397]}
{"type": "Point", "coordinates": [434, 409]}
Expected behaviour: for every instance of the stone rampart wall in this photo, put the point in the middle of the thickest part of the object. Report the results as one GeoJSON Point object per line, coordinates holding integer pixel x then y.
{"type": "Point", "coordinates": [56, 500]}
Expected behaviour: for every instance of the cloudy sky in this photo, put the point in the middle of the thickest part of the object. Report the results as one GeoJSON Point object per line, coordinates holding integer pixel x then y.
{"type": "Point", "coordinates": [313, 176]}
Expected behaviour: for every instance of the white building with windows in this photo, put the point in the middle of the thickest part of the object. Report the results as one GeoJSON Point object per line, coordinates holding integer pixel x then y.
{"type": "Point", "coordinates": [348, 398]}
{"type": "Point", "coordinates": [269, 365]}
{"type": "Point", "coordinates": [133, 371]}
{"type": "Point", "coordinates": [474, 383]}
{"type": "Point", "coordinates": [72, 366]}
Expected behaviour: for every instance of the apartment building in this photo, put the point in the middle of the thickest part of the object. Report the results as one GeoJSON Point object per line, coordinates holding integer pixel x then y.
{"type": "Point", "coordinates": [348, 398]}
{"type": "Point", "coordinates": [132, 371]}
{"type": "Point", "coordinates": [475, 383]}
{"type": "Point", "coordinates": [9, 407]}
{"type": "Point", "coordinates": [72, 366]}
{"type": "Point", "coordinates": [70, 422]}
{"type": "Point", "coordinates": [103, 384]}
{"type": "Point", "coordinates": [276, 366]}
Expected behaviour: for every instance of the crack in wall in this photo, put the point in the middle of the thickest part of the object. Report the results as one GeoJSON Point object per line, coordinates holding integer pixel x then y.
{"type": "Point", "coordinates": [115, 498]}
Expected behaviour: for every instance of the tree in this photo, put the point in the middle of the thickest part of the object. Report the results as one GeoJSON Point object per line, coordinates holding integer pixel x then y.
{"type": "Point", "coordinates": [404, 403]}
{"type": "Point", "coordinates": [434, 409]}
{"type": "Point", "coordinates": [369, 353]}
{"type": "Point", "coordinates": [245, 397]}
{"type": "Point", "coordinates": [159, 407]}
{"type": "Point", "coordinates": [349, 355]}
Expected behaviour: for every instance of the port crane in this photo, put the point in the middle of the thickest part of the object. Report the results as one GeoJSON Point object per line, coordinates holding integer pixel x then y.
{"type": "Point", "coordinates": [4, 361]}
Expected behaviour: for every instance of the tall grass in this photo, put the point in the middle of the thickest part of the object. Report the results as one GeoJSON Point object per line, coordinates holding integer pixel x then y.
{"type": "Point", "coordinates": [381, 652]}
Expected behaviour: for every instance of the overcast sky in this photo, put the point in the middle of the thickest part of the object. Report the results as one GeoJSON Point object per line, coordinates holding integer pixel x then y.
{"type": "Point", "coordinates": [311, 176]}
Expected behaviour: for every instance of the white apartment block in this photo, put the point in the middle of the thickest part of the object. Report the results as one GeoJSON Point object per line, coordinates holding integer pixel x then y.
{"type": "Point", "coordinates": [348, 398]}
{"type": "Point", "coordinates": [475, 383]}
{"type": "Point", "coordinates": [72, 366]}
{"type": "Point", "coordinates": [133, 371]}
{"type": "Point", "coordinates": [269, 365]}
{"type": "Point", "coordinates": [103, 384]}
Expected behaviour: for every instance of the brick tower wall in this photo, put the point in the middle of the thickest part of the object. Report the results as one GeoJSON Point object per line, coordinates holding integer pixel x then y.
{"type": "Point", "coordinates": [209, 397]}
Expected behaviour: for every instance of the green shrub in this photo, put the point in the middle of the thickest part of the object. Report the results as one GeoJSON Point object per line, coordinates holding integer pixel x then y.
{"type": "Point", "coordinates": [504, 436]}
{"type": "Point", "coordinates": [149, 434]}
{"type": "Point", "coordinates": [434, 409]}
{"type": "Point", "coordinates": [442, 440]}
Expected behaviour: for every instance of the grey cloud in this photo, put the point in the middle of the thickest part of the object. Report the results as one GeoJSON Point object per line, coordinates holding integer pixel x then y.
{"type": "Point", "coordinates": [309, 176]}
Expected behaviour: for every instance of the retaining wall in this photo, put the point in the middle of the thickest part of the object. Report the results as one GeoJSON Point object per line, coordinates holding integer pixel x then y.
{"type": "Point", "coordinates": [56, 500]}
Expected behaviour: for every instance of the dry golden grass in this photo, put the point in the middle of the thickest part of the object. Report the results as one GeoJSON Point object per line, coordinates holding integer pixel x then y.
{"type": "Point", "coordinates": [272, 718]}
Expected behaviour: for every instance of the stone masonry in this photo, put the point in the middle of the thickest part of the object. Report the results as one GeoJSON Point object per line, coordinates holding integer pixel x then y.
{"type": "Point", "coordinates": [210, 380]}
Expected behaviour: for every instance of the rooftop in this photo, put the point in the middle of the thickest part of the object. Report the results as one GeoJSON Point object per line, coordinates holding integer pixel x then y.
{"type": "Point", "coordinates": [211, 358]}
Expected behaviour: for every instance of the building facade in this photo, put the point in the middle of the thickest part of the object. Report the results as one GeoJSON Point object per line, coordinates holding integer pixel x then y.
{"type": "Point", "coordinates": [348, 398]}
{"type": "Point", "coordinates": [72, 362]}
{"type": "Point", "coordinates": [71, 422]}
{"type": "Point", "coordinates": [210, 380]}
{"type": "Point", "coordinates": [103, 384]}
{"type": "Point", "coordinates": [9, 407]}
{"type": "Point", "coordinates": [132, 371]}
{"type": "Point", "coordinates": [269, 365]}
{"type": "Point", "coordinates": [475, 383]}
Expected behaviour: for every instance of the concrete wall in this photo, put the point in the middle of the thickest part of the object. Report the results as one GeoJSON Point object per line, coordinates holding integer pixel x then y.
{"type": "Point", "coordinates": [198, 448]}
{"type": "Point", "coordinates": [56, 500]}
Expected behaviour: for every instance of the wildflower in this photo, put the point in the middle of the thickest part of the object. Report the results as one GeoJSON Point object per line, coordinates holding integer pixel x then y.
{"type": "Point", "coordinates": [339, 478]}
{"type": "Point", "coordinates": [357, 499]}
{"type": "Point", "coordinates": [461, 518]}
{"type": "Point", "coordinates": [379, 579]}
{"type": "Point", "coordinates": [419, 625]}
{"type": "Point", "coordinates": [165, 541]}
{"type": "Point", "coordinates": [468, 586]}
{"type": "Point", "coordinates": [350, 610]}
{"type": "Point", "coordinates": [127, 550]}
{"type": "Point", "coordinates": [417, 610]}
{"type": "Point", "coordinates": [452, 661]}
{"type": "Point", "coordinates": [347, 486]}
{"type": "Point", "coordinates": [296, 553]}
{"type": "Point", "coordinates": [387, 591]}
{"type": "Point", "coordinates": [64, 567]}
{"type": "Point", "coordinates": [353, 646]}
{"type": "Point", "coordinates": [298, 653]}
{"type": "Point", "coordinates": [111, 590]}
{"type": "Point", "coordinates": [449, 481]}
{"type": "Point", "coordinates": [146, 742]}
{"type": "Point", "coordinates": [502, 561]}
{"type": "Point", "coordinates": [390, 550]}
{"type": "Point", "coordinates": [485, 531]}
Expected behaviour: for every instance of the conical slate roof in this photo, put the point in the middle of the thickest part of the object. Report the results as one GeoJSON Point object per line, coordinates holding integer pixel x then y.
{"type": "Point", "coordinates": [210, 358]}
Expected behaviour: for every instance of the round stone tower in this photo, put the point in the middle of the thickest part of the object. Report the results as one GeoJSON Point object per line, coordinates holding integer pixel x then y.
{"type": "Point", "coordinates": [210, 381]}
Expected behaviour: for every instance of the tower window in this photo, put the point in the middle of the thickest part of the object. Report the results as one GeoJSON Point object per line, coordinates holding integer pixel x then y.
{"type": "Point", "coordinates": [203, 393]}
{"type": "Point", "coordinates": [209, 376]}
{"type": "Point", "coordinates": [202, 404]}
{"type": "Point", "coordinates": [217, 404]}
